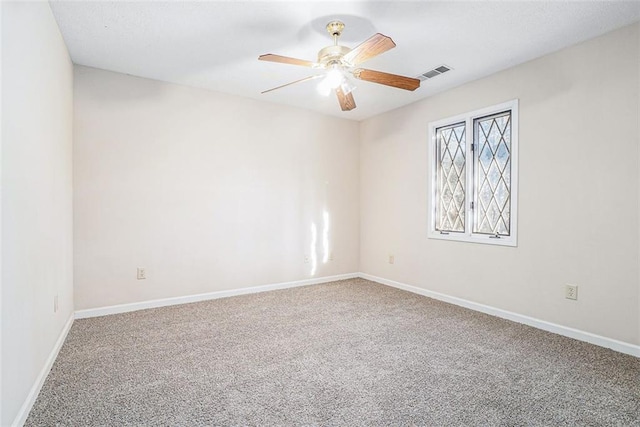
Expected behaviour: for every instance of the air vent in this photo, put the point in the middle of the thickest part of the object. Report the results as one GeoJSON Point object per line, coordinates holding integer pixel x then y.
{"type": "Point", "coordinates": [433, 73]}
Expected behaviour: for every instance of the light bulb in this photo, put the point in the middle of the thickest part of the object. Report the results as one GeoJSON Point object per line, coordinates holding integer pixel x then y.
{"type": "Point", "coordinates": [334, 78]}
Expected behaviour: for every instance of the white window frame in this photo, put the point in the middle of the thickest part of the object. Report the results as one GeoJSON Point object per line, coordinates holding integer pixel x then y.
{"type": "Point", "coordinates": [471, 160]}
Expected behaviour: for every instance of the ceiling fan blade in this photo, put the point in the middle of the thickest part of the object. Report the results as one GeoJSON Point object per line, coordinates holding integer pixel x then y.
{"type": "Point", "coordinates": [394, 80]}
{"type": "Point", "coordinates": [373, 46]}
{"type": "Point", "coordinates": [286, 60]}
{"type": "Point", "coordinates": [347, 103]}
{"type": "Point", "coordinates": [292, 83]}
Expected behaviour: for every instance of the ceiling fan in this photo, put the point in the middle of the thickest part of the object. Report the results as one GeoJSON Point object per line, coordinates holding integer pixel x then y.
{"type": "Point", "coordinates": [339, 60]}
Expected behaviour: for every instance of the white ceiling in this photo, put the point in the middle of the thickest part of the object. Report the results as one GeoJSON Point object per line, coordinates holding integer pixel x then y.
{"type": "Point", "coordinates": [215, 45]}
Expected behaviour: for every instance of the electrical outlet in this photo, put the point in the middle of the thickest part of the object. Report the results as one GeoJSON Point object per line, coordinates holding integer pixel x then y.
{"type": "Point", "coordinates": [330, 256]}
{"type": "Point", "coordinates": [392, 259]}
{"type": "Point", "coordinates": [571, 291]}
{"type": "Point", "coordinates": [306, 259]}
{"type": "Point", "coordinates": [142, 273]}
{"type": "Point", "coordinates": [55, 303]}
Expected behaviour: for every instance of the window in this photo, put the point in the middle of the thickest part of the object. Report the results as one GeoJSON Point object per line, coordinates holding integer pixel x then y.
{"type": "Point", "coordinates": [474, 171]}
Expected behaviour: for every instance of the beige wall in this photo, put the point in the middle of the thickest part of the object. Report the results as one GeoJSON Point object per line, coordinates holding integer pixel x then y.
{"type": "Point", "coordinates": [206, 191]}
{"type": "Point", "coordinates": [37, 84]}
{"type": "Point", "coordinates": [578, 206]}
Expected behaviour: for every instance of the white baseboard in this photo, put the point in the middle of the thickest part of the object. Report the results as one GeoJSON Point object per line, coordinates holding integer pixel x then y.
{"type": "Point", "coordinates": [23, 413]}
{"type": "Point", "coordinates": [123, 308]}
{"type": "Point", "coordinates": [620, 346]}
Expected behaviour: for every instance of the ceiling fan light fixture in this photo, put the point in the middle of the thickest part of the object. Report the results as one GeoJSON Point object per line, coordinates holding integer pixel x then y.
{"type": "Point", "coordinates": [332, 80]}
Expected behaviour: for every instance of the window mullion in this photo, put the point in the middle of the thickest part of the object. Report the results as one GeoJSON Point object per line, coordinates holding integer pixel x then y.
{"type": "Point", "coordinates": [470, 168]}
{"type": "Point", "coordinates": [476, 172]}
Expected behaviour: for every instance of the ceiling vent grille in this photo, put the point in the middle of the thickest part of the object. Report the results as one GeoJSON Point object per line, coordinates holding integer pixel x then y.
{"type": "Point", "coordinates": [433, 73]}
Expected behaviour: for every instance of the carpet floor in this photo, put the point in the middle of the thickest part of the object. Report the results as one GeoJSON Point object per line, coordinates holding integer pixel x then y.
{"type": "Point", "coordinates": [352, 352]}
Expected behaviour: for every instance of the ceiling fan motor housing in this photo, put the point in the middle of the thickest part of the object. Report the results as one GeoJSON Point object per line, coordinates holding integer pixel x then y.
{"type": "Point", "coordinates": [332, 54]}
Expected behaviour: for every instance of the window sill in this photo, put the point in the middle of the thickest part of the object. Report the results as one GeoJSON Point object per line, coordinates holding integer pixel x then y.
{"type": "Point", "coordinates": [474, 238]}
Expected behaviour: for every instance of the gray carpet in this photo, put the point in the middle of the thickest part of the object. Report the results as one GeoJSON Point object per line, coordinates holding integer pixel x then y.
{"type": "Point", "coordinates": [345, 353]}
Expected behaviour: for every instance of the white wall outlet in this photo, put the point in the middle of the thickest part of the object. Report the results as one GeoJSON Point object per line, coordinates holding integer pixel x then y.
{"type": "Point", "coordinates": [142, 273]}
{"type": "Point", "coordinates": [331, 256]}
{"type": "Point", "coordinates": [571, 291]}
{"type": "Point", "coordinates": [392, 259]}
{"type": "Point", "coordinates": [55, 303]}
{"type": "Point", "coordinates": [306, 259]}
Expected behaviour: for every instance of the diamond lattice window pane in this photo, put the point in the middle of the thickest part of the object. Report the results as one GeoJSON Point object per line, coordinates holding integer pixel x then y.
{"type": "Point", "coordinates": [493, 174]}
{"type": "Point", "coordinates": [451, 178]}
